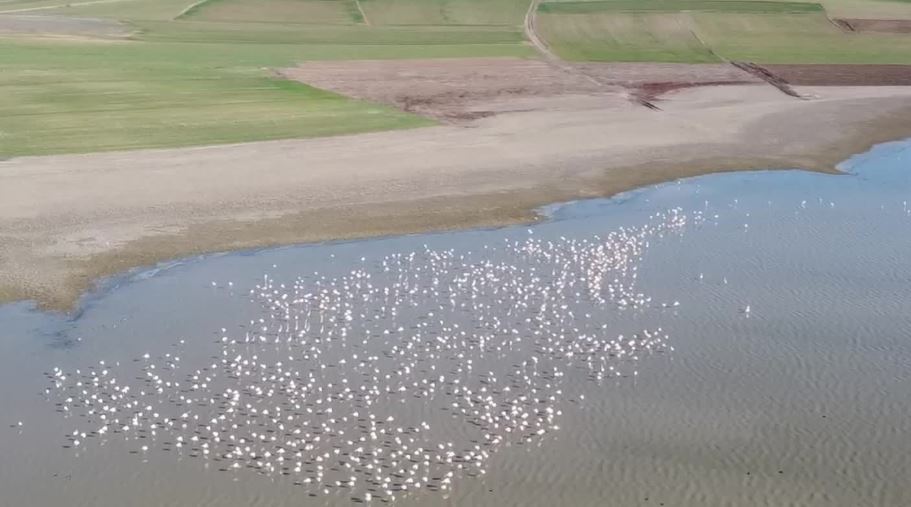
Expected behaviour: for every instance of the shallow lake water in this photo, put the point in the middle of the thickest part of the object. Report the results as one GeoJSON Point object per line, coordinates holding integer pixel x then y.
{"type": "Point", "coordinates": [735, 339]}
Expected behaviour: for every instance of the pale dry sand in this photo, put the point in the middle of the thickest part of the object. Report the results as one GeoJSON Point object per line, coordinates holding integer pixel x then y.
{"type": "Point", "coordinates": [67, 220]}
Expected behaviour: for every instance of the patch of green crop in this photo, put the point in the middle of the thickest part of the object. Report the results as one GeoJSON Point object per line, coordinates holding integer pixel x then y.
{"type": "Point", "coordinates": [64, 98]}
{"type": "Point", "coordinates": [677, 6]}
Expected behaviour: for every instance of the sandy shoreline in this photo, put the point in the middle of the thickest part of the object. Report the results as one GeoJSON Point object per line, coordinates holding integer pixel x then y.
{"type": "Point", "coordinates": [67, 220]}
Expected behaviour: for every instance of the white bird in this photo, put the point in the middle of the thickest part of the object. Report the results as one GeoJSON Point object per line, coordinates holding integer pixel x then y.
{"type": "Point", "coordinates": [331, 383]}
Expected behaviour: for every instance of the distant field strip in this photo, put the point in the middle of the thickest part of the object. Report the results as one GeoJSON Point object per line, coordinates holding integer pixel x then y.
{"type": "Point", "coordinates": [56, 6]}
{"type": "Point", "coordinates": [624, 37]}
{"type": "Point", "coordinates": [121, 10]}
{"type": "Point", "coordinates": [708, 30]}
{"type": "Point", "coordinates": [445, 12]}
{"type": "Point", "coordinates": [509, 40]}
{"type": "Point", "coordinates": [282, 11]}
{"type": "Point", "coordinates": [29, 24]}
{"type": "Point", "coordinates": [744, 6]}
{"type": "Point", "coordinates": [791, 38]}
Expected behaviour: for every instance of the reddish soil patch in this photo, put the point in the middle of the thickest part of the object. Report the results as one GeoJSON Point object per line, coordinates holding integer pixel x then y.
{"type": "Point", "coordinates": [768, 76]}
{"type": "Point", "coordinates": [875, 25]}
{"type": "Point", "coordinates": [464, 89]}
{"type": "Point", "coordinates": [842, 75]}
{"type": "Point", "coordinates": [636, 75]}
{"type": "Point", "coordinates": [449, 89]}
{"type": "Point", "coordinates": [651, 92]}
{"type": "Point", "coordinates": [649, 81]}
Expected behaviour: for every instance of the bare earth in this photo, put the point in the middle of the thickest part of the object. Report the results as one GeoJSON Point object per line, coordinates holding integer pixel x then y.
{"type": "Point", "coordinates": [842, 75]}
{"type": "Point", "coordinates": [454, 90]}
{"type": "Point", "coordinates": [67, 220]}
{"type": "Point", "coordinates": [875, 25]}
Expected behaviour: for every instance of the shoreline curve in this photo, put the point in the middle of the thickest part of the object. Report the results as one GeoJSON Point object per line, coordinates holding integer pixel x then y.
{"type": "Point", "coordinates": [68, 221]}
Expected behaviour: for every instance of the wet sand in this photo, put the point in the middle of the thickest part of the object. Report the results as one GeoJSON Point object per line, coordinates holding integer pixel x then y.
{"type": "Point", "coordinates": [65, 221]}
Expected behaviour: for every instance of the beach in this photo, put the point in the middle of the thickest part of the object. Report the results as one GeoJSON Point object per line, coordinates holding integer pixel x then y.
{"type": "Point", "coordinates": [66, 221]}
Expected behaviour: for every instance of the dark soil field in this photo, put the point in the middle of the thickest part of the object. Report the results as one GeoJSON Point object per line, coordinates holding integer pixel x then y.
{"type": "Point", "coordinates": [647, 82]}
{"type": "Point", "coordinates": [652, 91]}
{"type": "Point", "coordinates": [875, 25]}
{"type": "Point", "coordinates": [842, 75]}
{"type": "Point", "coordinates": [634, 75]}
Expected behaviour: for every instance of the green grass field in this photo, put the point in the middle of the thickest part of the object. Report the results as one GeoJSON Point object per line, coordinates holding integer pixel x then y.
{"type": "Point", "coordinates": [403, 41]}
{"type": "Point", "coordinates": [868, 9]}
{"type": "Point", "coordinates": [710, 30]}
{"type": "Point", "coordinates": [64, 98]}
{"type": "Point", "coordinates": [776, 38]}
{"type": "Point", "coordinates": [203, 73]}
{"type": "Point", "coordinates": [115, 9]}
{"type": "Point", "coordinates": [625, 36]}
{"type": "Point", "coordinates": [208, 78]}
{"type": "Point", "coordinates": [316, 12]}
{"type": "Point", "coordinates": [446, 12]}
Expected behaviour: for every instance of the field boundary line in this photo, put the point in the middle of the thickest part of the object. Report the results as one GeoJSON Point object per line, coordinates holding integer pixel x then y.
{"type": "Point", "coordinates": [189, 9]}
{"type": "Point", "coordinates": [843, 25]}
{"type": "Point", "coordinates": [360, 8]}
{"type": "Point", "coordinates": [531, 32]}
{"type": "Point", "coordinates": [700, 40]}
{"type": "Point", "coordinates": [60, 6]}
{"type": "Point", "coordinates": [751, 68]}
{"type": "Point", "coordinates": [769, 77]}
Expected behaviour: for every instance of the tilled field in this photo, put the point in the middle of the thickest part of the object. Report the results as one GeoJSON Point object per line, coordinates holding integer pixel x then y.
{"type": "Point", "coordinates": [649, 81]}
{"type": "Point", "coordinates": [875, 25]}
{"type": "Point", "coordinates": [464, 89]}
{"type": "Point", "coordinates": [449, 89]}
{"type": "Point", "coordinates": [843, 75]}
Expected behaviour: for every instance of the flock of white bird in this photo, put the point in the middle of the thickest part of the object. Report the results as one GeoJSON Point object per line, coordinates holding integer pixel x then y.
{"type": "Point", "coordinates": [403, 375]}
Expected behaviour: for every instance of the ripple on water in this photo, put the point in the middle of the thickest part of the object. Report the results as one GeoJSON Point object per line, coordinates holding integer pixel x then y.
{"type": "Point", "coordinates": [801, 401]}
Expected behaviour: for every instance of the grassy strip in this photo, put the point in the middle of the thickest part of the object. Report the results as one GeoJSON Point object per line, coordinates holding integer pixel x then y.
{"type": "Point", "coordinates": [446, 12]}
{"type": "Point", "coordinates": [762, 37]}
{"type": "Point", "coordinates": [200, 81]}
{"type": "Point", "coordinates": [64, 98]}
{"type": "Point", "coordinates": [317, 12]}
{"type": "Point", "coordinates": [349, 35]}
{"type": "Point", "coordinates": [739, 6]}
{"type": "Point", "coordinates": [356, 12]}
{"type": "Point", "coordinates": [788, 38]}
{"type": "Point", "coordinates": [624, 37]}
